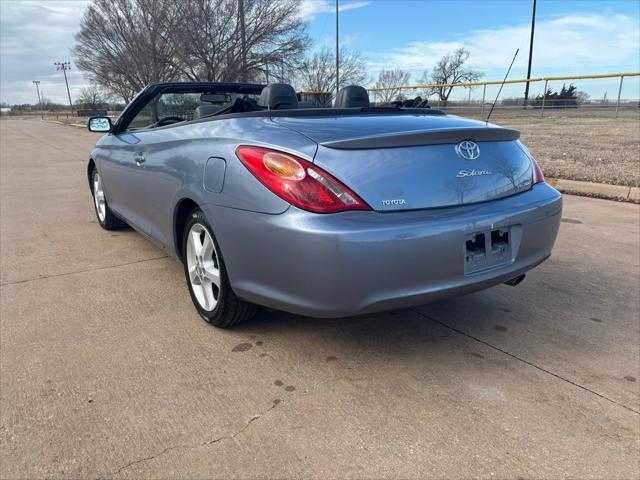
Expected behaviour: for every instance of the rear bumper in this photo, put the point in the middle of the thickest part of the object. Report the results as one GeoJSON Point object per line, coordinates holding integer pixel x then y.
{"type": "Point", "coordinates": [359, 262]}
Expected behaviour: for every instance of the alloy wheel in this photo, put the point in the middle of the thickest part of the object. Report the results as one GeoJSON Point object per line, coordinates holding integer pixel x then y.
{"type": "Point", "coordinates": [98, 197]}
{"type": "Point", "coordinates": [203, 267]}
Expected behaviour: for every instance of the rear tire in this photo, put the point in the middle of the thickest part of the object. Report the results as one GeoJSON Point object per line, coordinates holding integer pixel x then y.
{"type": "Point", "coordinates": [206, 276]}
{"type": "Point", "coordinates": [105, 216]}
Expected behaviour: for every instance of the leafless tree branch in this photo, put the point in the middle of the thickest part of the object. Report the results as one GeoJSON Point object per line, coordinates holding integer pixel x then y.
{"type": "Point", "coordinates": [451, 69]}
{"type": "Point", "coordinates": [126, 44]}
{"type": "Point", "coordinates": [318, 71]}
{"type": "Point", "coordinates": [391, 80]}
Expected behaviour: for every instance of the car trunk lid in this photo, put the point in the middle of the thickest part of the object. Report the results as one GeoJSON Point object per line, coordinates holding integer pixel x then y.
{"type": "Point", "coordinates": [412, 162]}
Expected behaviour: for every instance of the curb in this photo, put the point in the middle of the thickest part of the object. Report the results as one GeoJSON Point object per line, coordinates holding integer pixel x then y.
{"type": "Point", "coordinates": [57, 122]}
{"type": "Point", "coordinates": [597, 190]}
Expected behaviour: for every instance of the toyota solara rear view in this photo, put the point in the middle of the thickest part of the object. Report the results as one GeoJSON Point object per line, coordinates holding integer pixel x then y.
{"type": "Point", "coordinates": [324, 212]}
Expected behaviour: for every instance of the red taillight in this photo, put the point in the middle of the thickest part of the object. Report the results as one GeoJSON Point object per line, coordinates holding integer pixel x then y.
{"type": "Point", "coordinates": [299, 182]}
{"type": "Point", "coordinates": [538, 176]}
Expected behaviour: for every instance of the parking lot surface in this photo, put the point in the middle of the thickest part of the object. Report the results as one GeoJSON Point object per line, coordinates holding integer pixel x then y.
{"type": "Point", "coordinates": [106, 370]}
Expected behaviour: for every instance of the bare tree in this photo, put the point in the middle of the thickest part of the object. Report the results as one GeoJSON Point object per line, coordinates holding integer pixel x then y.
{"type": "Point", "coordinates": [92, 97]}
{"type": "Point", "coordinates": [210, 41]}
{"type": "Point", "coordinates": [459, 189]}
{"type": "Point", "coordinates": [451, 69]}
{"type": "Point", "coordinates": [583, 97]}
{"type": "Point", "coordinates": [46, 104]}
{"type": "Point", "coordinates": [318, 71]}
{"type": "Point", "coordinates": [391, 81]}
{"type": "Point", "coordinates": [126, 44]}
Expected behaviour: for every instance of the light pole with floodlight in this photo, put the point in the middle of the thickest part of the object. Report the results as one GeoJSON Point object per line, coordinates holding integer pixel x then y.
{"type": "Point", "coordinates": [37, 83]}
{"type": "Point", "coordinates": [64, 66]}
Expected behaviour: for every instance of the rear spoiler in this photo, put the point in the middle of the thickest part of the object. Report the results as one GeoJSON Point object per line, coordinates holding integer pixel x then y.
{"type": "Point", "coordinates": [436, 136]}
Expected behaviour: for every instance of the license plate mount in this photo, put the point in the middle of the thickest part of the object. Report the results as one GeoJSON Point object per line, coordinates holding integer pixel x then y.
{"type": "Point", "coordinates": [486, 250]}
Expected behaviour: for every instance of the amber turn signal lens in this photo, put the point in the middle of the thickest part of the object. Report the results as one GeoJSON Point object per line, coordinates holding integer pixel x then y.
{"type": "Point", "coordinates": [298, 181]}
{"type": "Point", "coordinates": [283, 165]}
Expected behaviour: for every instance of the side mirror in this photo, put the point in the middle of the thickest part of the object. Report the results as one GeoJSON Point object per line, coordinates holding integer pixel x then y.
{"type": "Point", "coordinates": [99, 124]}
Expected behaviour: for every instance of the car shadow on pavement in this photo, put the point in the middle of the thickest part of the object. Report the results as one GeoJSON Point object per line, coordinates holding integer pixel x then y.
{"type": "Point", "coordinates": [392, 335]}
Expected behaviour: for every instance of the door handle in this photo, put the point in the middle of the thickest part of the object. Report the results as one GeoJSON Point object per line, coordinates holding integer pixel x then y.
{"type": "Point", "coordinates": [140, 159]}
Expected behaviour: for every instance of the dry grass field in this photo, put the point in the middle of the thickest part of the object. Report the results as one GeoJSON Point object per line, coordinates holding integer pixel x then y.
{"type": "Point", "coordinates": [584, 144]}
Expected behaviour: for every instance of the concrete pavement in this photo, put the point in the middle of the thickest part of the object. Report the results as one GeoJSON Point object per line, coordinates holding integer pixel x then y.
{"type": "Point", "coordinates": [106, 371]}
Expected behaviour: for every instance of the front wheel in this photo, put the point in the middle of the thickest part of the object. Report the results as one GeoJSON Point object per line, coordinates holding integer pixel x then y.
{"type": "Point", "coordinates": [207, 277]}
{"type": "Point", "coordinates": [106, 218]}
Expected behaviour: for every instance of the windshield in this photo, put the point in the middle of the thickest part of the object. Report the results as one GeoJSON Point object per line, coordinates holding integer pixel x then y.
{"type": "Point", "coordinates": [169, 108]}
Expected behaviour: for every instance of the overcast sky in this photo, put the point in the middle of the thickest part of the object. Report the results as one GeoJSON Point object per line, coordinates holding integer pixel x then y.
{"type": "Point", "coordinates": [572, 38]}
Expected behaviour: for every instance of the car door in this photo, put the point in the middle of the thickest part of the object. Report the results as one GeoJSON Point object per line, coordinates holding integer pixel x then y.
{"type": "Point", "coordinates": [167, 166]}
{"type": "Point", "coordinates": [164, 172]}
{"type": "Point", "coordinates": [123, 172]}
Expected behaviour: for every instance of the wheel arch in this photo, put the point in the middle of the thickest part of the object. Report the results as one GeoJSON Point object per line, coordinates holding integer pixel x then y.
{"type": "Point", "coordinates": [90, 168]}
{"type": "Point", "coordinates": [180, 213]}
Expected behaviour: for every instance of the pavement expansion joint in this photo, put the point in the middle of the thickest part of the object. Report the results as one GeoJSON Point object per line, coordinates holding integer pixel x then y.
{"type": "Point", "coordinates": [64, 274]}
{"type": "Point", "coordinates": [544, 370]}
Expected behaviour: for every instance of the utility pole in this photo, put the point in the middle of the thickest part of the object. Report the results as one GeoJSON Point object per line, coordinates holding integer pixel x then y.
{"type": "Point", "coordinates": [243, 40]}
{"type": "Point", "coordinates": [64, 66]}
{"type": "Point", "coordinates": [36, 83]}
{"type": "Point", "coordinates": [533, 27]}
{"type": "Point", "coordinates": [337, 50]}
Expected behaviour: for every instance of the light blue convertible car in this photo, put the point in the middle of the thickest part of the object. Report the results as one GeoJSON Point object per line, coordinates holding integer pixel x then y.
{"type": "Point", "coordinates": [324, 212]}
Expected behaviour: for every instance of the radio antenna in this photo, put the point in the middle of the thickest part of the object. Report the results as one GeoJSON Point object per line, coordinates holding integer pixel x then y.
{"type": "Point", "coordinates": [501, 85]}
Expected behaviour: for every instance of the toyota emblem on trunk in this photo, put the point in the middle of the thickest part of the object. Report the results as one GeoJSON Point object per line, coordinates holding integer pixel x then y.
{"type": "Point", "coordinates": [468, 150]}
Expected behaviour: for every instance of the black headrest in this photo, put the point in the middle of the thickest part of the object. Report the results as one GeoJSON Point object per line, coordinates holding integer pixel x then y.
{"type": "Point", "coordinates": [278, 96]}
{"type": "Point", "coordinates": [352, 96]}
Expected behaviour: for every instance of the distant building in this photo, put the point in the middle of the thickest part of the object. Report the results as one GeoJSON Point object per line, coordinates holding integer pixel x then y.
{"type": "Point", "coordinates": [5, 111]}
